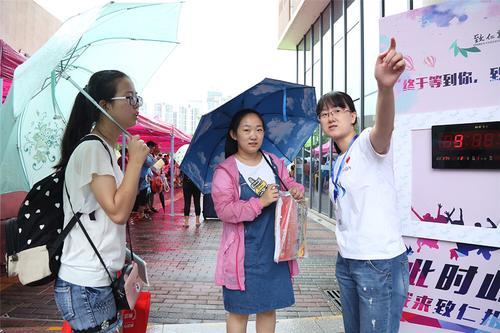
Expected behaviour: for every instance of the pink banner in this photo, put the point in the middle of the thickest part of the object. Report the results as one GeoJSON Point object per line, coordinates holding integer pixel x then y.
{"type": "Point", "coordinates": [453, 286]}
{"type": "Point", "coordinates": [451, 50]}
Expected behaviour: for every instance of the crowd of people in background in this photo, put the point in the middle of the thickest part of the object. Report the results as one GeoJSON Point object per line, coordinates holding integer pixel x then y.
{"type": "Point", "coordinates": [155, 178]}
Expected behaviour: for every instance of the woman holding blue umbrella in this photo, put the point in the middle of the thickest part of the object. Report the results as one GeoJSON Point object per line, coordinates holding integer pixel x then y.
{"type": "Point", "coordinates": [372, 266]}
{"type": "Point", "coordinates": [245, 189]}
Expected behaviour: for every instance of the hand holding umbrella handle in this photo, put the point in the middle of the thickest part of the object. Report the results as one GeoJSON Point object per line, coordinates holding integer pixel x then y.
{"type": "Point", "coordinates": [80, 89]}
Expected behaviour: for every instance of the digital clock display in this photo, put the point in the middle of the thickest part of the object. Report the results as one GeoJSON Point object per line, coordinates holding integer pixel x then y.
{"type": "Point", "coordinates": [466, 146]}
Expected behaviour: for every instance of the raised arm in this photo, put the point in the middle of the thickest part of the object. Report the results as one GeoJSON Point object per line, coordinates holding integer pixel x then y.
{"type": "Point", "coordinates": [388, 68]}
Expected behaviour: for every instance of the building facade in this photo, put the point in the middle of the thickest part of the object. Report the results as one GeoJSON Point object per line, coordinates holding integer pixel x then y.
{"type": "Point", "coordinates": [25, 25]}
{"type": "Point", "coordinates": [336, 44]}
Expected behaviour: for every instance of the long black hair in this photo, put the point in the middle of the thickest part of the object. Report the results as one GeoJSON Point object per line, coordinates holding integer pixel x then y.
{"type": "Point", "coordinates": [231, 144]}
{"type": "Point", "coordinates": [336, 98]}
{"type": "Point", "coordinates": [102, 86]}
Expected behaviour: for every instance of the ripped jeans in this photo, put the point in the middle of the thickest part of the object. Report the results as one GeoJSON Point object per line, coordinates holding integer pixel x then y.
{"type": "Point", "coordinates": [373, 293]}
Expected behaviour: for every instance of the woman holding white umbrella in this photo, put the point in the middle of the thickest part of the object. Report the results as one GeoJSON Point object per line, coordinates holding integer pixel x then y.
{"type": "Point", "coordinates": [96, 187]}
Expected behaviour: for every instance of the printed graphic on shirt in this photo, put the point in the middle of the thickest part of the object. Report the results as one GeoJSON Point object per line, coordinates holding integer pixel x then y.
{"type": "Point", "coordinates": [257, 185]}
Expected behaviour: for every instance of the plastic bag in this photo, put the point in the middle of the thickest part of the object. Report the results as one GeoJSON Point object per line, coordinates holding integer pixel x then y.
{"type": "Point", "coordinates": [290, 227]}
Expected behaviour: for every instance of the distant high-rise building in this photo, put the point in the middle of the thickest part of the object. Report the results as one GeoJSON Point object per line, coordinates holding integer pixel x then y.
{"type": "Point", "coordinates": [214, 99]}
{"type": "Point", "coordinates": [157, 112]}
{"type": "Point", "coordinates": [169, 114]}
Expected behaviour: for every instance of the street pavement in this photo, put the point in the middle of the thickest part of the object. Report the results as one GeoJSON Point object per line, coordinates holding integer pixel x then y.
{"type": "Point", "coordinates": [181, 265]}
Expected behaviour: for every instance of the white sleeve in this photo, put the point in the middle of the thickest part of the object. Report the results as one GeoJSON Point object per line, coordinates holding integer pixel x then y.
{"type": "Point", "coordinates": [366, 145]}
{"type": "Point", "coordinates": [91, 158]}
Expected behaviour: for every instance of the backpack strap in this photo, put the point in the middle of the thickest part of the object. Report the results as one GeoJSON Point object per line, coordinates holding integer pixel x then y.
{"type": "Point", "coordinates": [76, 218]}
{"type": "Point", "coordinates": [93, 137]}
{"type": "Point", "coordinates": [60, 239]}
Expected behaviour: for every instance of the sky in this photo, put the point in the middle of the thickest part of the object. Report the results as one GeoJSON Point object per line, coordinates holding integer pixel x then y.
{"type": "Point", "coordinates": [225, 45]}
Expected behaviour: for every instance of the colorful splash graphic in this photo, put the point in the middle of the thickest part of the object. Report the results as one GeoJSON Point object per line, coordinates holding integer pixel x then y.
{"type": "Point", "coordinates": [451, 50]}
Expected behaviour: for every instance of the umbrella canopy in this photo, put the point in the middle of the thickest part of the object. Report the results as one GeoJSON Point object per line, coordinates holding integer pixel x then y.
{"type": "Point", "coordinates": [180, 153]}
{"type": "Point", "coordinates": [289, 116]}
{"type": "Point", "coordinates": [161, 133]}
{"type": "Point", "coordinates": [132, 38]}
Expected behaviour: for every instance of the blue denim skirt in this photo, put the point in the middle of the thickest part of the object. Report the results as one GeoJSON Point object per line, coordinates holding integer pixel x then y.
{"type": "Point", "coordinates": [86, 307]}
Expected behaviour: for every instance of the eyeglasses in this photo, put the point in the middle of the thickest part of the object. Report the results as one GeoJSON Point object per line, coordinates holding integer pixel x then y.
{"type": "Point", "coordinates": [134, 100]}
{"type": "Point", "coordinates": [332, 113]}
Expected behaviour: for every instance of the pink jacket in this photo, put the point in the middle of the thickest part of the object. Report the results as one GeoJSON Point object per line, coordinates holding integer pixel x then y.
{"type": "Point", "coordinates": [233, 212]}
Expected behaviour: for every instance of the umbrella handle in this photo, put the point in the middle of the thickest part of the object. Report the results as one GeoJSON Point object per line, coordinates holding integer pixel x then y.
{"type": "Point", "coordinates": [68, 78]}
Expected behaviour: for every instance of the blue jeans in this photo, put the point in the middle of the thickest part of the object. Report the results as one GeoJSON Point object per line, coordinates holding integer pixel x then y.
{"type": "Point", "coordinates": [86, 307]}
{"type": "Point", "coordinates": [373, 293]}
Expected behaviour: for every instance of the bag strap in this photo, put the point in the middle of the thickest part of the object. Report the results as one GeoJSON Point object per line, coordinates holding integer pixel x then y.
{"type": "Point", "coordinates": [273, 168]}
{"type": "Point", "coordinates": [60, 239]}
{"type": "Point", "coordinates": [86, 234]}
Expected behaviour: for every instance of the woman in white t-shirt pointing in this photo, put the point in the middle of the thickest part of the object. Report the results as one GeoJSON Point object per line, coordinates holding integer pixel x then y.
{"type": "Point", "coordinates": [372, 266]}
{"type": "Point", "coordinates": [99, 190]}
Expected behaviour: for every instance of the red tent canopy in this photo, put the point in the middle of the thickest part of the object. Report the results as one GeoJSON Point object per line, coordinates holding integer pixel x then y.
{"type": "Point", "coordinates": [9, 60]}
{"type": "Point", "coordinates": [159, 132]}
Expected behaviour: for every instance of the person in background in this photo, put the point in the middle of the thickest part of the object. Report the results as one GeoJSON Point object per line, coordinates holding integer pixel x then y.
{"type": "Point", "coordinates": [189, 190]}
{"type": "Point", "coordinates": [245, 189]}
{"type": "Point", "coordinates": [98, 189]}
{"type": "Point", "coordinates": [142, 199]}
{"type": "Point", "coordinates": [372, 265]}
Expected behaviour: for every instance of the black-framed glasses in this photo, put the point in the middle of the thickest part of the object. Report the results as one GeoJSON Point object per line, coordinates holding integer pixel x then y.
{"type": "Point", "coordinates": [134, 100]}
{"type": "Point", "coordinates": [331, 113]}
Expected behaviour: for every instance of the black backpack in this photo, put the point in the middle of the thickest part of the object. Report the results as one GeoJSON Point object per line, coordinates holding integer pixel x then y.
{"type": "Point", "coordinates": [35, 239]}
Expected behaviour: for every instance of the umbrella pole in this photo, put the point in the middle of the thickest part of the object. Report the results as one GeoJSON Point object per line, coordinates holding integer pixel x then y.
{"type": "Point", "coordinates": [172, 188]}
{"type": "Point", "coordinates": [123, 152]}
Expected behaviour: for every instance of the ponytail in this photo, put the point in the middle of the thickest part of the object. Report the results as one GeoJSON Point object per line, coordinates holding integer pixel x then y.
{"type": "Point", "coordinates": [84, 114]}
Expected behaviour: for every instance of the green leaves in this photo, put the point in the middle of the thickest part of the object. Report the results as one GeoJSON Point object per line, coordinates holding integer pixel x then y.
{"type": "Point", "coordinates": [463, 51]}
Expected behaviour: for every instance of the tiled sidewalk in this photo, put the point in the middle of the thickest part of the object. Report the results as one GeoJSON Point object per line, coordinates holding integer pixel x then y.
{"type": "Point", "coordinates": [181, 264]}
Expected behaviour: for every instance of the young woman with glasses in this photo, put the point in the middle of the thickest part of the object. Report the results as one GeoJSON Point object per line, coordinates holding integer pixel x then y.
{"type": "Point", "coordinates": [372, 266]}
{"type": "Point", "coordinates": [104, 195]}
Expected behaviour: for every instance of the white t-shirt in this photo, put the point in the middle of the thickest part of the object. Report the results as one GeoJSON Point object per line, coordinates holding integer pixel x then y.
{"type": "Point", "coordinates": [368, 225]}
{"type": "Point", "coordinates": [79, 263]}
{"type": "Point", "coordinates": [258, 177]}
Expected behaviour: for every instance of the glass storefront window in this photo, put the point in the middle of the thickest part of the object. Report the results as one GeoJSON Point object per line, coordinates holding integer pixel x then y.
{"type": "Point", "coordinates": [425, 3]}
{"type": "Point", "coordinates": [371, 43]}
{"type": "Point", "coordinates": [338, 15]}
{"type": "Point", "coordinates": [308, 59]}
{"type": "Point", "coordinates": [300, 62]}
{"type": "Point", "coordinates": [327, 53]}
{"type": "Point", "coordinates": [352, 14]}
{"type": "Point", "coordinates": [354, 62]}
{"type": "Point", "coordinates": [370, 105]}
{"type": "Point", "coordinates": [338, 66]}
{"type": "Point", "coordinates": [395, 7]}
{"type": "Point", "coordinates": [317, 58]}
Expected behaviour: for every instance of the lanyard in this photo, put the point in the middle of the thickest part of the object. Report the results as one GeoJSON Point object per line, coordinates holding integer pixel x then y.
{"type": "Point", "coordinates": [336, 179]}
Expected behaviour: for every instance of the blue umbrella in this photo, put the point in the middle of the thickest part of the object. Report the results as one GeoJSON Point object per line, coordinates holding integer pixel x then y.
{"type": "Point", "coordinates": [290, 119]}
